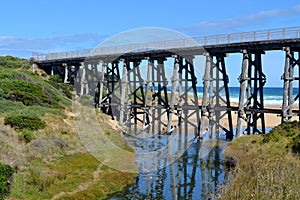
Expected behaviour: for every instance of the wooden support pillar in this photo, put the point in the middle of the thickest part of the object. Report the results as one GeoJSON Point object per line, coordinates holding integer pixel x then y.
{"type": "Point", "coordinates": [291, 82]}
{"type": "Point", "coordinates": [215, 85]}
{"type": "Point", "coordinates": [66, 74]}
{"type": "Point", "coordinates": [206, 83]}
{"type": "Point", "coordinates": [84, 82]}
{"type": "Point", "coordinates": [101, 83]}
{"type": "Point", "coordinates": [291, 61]}
{"type": "Point", "coordinates": [160, 97]}
{"type": "Point", "coordinates": [252, 82]}
{"type": "Point", "coordinates": [124, 84]}
{"type": "Point", "coordinates": [145, 106]}
{"type": "Point", "coordinates": [173, 92]}
{"type": "Point", "coordinates": [243, 82]}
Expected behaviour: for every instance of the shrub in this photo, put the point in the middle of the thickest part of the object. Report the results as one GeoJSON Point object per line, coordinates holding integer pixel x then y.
{"type": "Point", "coordinates": [63, 88]}
{"type": "Point", "coordinates": [24, 121]}
{"type": "Point", "coordinates": [6, 172]}
{"type": "Point", "coordinates": [56, 79]}
{"type": "Point", "coordinates": [28, 135]}
{"type": "Point", "coordinates": [295, 144]}
{"type": "Point", "coordinates": [11, 62]}
{"type": "Point", "coordinates": [273, 136]}
{"type": "Point", "coordinates": [21, 86]}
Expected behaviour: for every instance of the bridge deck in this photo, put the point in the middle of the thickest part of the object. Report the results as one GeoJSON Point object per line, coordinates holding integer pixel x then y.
{"type": "Point", "coordinates": [275, 39]}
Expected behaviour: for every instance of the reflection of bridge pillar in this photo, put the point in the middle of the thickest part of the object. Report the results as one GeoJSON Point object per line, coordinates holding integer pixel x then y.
{"type": "Point", "coordinates": [288, 100]}
{"type": "Point", "coordinates": [252, 82]}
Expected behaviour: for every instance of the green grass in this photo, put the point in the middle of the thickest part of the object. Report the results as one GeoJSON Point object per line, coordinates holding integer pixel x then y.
{"type": "Point", "coordinates": [11, 107]}
{"type": "Point", "coordinates": [66, 174]}
{"type": "Point", "coordinates": [267, 167]}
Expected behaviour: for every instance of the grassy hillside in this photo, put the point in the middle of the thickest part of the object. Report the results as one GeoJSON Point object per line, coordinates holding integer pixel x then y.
{"type": "Point", "coordinates": [266, 166]}
{"type": "Point", "coordinates": [39, 142]}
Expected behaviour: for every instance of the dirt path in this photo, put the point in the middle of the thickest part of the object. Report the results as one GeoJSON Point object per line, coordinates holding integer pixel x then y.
{"type": "Point", "coordinates": [82, 186]}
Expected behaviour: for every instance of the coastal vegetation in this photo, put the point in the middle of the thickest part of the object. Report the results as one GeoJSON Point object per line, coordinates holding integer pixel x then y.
{"type": "Point", "coordinates": [265, 166]}
{"type": "Point", "coordinates": [40, 149]}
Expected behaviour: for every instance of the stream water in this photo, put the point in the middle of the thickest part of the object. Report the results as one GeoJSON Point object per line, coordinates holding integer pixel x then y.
{"type": "Point", "coordinates": [194, 172]}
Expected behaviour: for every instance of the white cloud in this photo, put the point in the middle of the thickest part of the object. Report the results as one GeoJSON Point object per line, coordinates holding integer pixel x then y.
{"type": "Point", "coordinates": [25, 47]}
{"type": "Point", "coordinates": [230, 25]}
{"type": "Point", "coordinates": [297, 8]}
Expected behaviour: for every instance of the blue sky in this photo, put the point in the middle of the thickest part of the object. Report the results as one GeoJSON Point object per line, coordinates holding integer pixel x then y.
{"type": "Point", "coordinates": [52, 25]}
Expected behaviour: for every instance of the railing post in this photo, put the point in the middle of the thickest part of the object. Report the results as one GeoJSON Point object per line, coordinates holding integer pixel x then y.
{"type": "Point", "coordinates": [254, 36]}
{"type": "Point", "coordinates": [228, 38]}
{"type": "Point", "coordinates": [269, 35]}
{"type": "Point", "coordinates": [283, 33]}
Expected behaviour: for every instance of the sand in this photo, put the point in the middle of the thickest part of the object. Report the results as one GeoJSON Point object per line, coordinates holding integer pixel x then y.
{"type": "Point", "coordinates": [271, 120]}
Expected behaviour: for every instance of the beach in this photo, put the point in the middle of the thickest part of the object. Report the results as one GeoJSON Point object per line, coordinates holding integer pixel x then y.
{"type": "Point", "coordinates": [271, 120]}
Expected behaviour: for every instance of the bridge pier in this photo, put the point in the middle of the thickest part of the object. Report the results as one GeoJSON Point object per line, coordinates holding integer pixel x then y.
{"type": "Point", "coordinates": [112, 79]}
{"type": "Point", "coordinates": [66, 73]}
{"type": "Point", "coordinates": [146, 120]}
{"type": "Point", "coordinates": [291, 61]}
{"type": "Point", "coordinates": [252, 81]}
{"type": "Point", "coordinates": [188, 103]}
{"type": "Point", "coordinates": [173, 91]}
{"type": "Point", "coordinates": [243, 81]}
{"type": "Point", "coordinates": [124, 86]}
{"type": "Point", "coordinates": [101, 84]}
{"type": "Point", "coordinates": [160, 100]}
{"type": "Point", "coordinates": [84, 85]}
{"type": "Point", "coordinates": [214, 106]}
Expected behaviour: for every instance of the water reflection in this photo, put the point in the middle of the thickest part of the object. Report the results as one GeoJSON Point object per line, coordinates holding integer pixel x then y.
{"type": "Point", "coordinates": [195, 174]}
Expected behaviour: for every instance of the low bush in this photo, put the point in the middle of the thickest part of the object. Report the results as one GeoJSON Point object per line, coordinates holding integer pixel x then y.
{"type": "Point", "coordinates": [295, 144]}
{"type": "Point", "coordinates": [28, 135]}
{"type": "Point", "coordinates": [11, 62]}
{"type": "Point", "coordinates": [56, 79]}
{"type": "Point", "coordinates": [6, 172]}
{"type": "Point", "coordinates": [24, 121]}
{"type": "Point", "coordinates": [21, 86]}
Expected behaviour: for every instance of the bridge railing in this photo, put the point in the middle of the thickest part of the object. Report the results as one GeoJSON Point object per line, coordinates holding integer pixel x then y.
{"type": "Point", "coordinates": [265, 35]}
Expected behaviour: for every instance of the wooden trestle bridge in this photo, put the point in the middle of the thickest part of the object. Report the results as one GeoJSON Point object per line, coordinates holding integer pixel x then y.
{"type": "Point", "coordinates": [113, 76]}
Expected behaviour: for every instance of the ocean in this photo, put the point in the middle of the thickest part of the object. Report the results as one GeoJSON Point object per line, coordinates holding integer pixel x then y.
{"type": "Point", "coordinates": [272, 95]}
